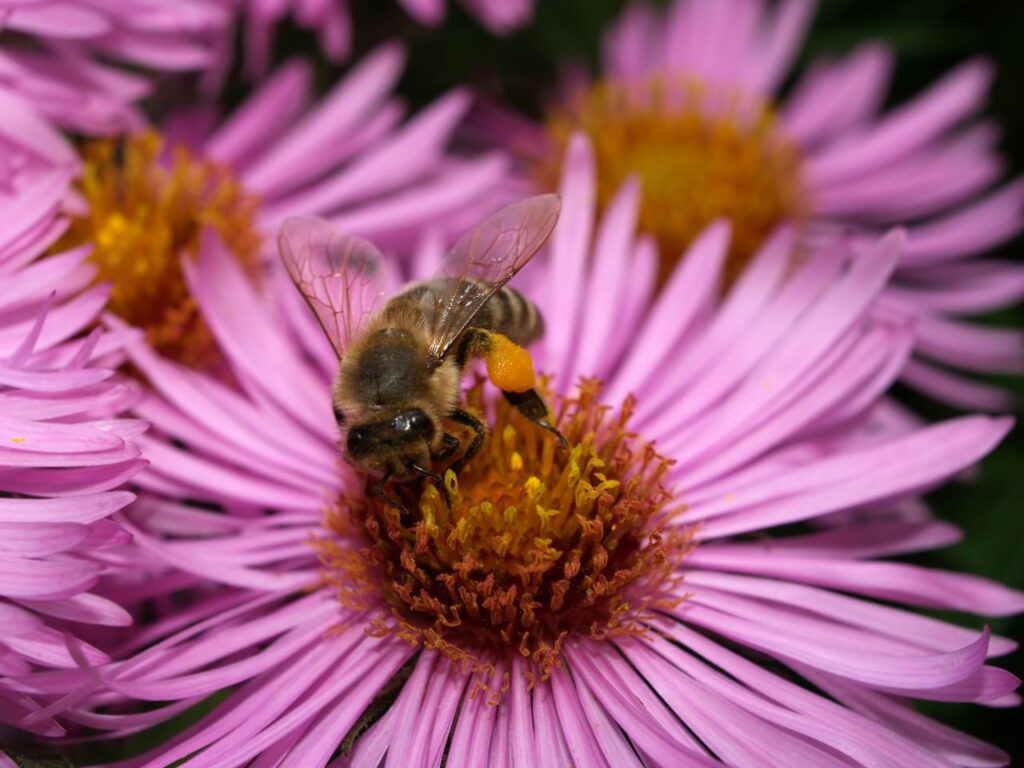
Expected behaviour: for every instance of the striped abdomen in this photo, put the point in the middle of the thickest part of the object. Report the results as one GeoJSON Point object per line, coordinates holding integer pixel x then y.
{"type": "Point", "coordinates": [507, 312]}
{"type": "Point", "coordinates": [511, 314]}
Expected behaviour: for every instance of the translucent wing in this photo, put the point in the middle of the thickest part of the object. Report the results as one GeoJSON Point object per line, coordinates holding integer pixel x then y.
{"type": "Point", "coordinates": [341, 276]}
{"type": "Point", "coordinates": [483, 261]}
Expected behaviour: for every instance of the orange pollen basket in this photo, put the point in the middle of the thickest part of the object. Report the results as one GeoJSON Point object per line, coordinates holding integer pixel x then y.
{"type": "Point", "coordinates": [146, 211]}
{"type": "Point", "coordinates": [539, 546]}
{"type": "Point", "coordinates": [699, 156]}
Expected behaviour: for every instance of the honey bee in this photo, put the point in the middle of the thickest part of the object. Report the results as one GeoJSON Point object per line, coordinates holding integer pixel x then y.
{"type": "Point", "coordinates": [401, 361]}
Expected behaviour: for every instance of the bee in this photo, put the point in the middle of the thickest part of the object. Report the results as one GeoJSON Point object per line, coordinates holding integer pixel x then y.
{"type": "Point", "coordinates": [402, 360]}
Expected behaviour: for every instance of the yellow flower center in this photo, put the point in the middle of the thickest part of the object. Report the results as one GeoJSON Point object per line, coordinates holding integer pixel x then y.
{"type": "Point", "coordinates": [539, 545]}
{"type": "Point", "coordinates": [699, 156]}
{"type": "Point", "coordinates": [146, 211]}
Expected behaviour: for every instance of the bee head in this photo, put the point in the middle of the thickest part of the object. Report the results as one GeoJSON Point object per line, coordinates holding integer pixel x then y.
{"type": "Point", "coordinates": [409, 427]}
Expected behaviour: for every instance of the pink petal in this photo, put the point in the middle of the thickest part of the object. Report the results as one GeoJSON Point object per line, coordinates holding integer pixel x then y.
{"type": "Point", "coordinates": [396, 160]}
{"type": "Point", "coordinates": [608, 268]}
{"type": "Point", "coordinates": [835, 98]}
{"type": "Point", "coordinates": [80, 509]}
{"type": "Point", "coordinates": [39, 539]}
{"type": "Point", "coordinates": [898, 467]}
{"type": "Point", "coordinates": [922, 676]}
{"type": "Point", "coordinates": [57, 19]}
{"type": "Point", "coordinates": [579, 728]}
{"type": "Point", "coordinates": [973, 228]}
{"type": "Point", "coordinates": [293, 157]}
{"type": "Point", "coordinates": [735, 735]}
{"type": "Point", "coordinates": [254, 341]}
{"type": "Point", "coordinates": [84, 608]}
{"type": "Point", "coordinates": [568, 247]}
{"type": "Point", "coordinates": [907, 128]}
{"type": "Point", "coordinates": [54, 578]}
{"type": "Point", "coordinates": [956, 390]}
{"type": "Point", "coordinates": [671, 316]}
{"type": "Point", "coordinates": [263, 116]}
{"type": "Point", "coordinates": [780, 43]}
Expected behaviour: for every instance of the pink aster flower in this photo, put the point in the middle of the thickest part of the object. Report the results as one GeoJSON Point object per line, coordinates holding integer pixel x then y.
{"type": "Point", "coordinates": [64, 450]}
{"type": "Point", "coordinates": [57, 54]}
{"type": "Point", "coordinates": [690, 100]}
{"type": "Point", "coordinates": [333, 22]}
{"type": "Point", "coordinates": [610, 605]}
{"type": "Point", "coordinates": [353, 156]}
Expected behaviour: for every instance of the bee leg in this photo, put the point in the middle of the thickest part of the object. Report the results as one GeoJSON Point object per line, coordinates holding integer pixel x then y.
{"type": "Point", "coordinates": [450, 444]}
{"type": "Point", "coordinates": [471, 421]}
{"type": "Point", "coordinates": [532, 406]}
{"type": "Point", "coordinates": [437, 479]}
{"type": "Point", "coordinates": [380, 492]}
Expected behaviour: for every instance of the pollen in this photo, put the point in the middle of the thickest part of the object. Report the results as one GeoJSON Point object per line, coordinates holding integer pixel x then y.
{"type": "Point", "coordinates": [147, 205]}
{"type": "Point", "coordinates": [509, 366]}
{"type": "Point", "coordinates": [540, 545]}
{"type": "Point", "coordinates": [699, 156]}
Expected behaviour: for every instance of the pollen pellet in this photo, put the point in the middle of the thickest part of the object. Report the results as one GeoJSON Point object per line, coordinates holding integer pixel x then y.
{"type": "Point", "coordinates": [581, 546]}
{"type": "Point", "coordinates": [509, 366]}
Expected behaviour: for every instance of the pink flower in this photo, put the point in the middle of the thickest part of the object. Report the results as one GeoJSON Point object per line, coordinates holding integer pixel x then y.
{"type": "Point", "coordinates": [56, 54]}
{"type": "Point", "coordinates": [763, 422]}
{"type": "Point", "coordinates": [64, 450]}
{"type": "Point", "coordinates": [690, 100]}
{"type": "Point", "coordinates": [355, 156]}
{"type": "Point", "coordinates": [333, 23]}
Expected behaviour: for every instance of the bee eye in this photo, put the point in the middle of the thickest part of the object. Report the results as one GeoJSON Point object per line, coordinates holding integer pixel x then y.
{"type": "Point", "coordinates": [358, 439]}
{"type": "Point", "coordinates": [413, 421]}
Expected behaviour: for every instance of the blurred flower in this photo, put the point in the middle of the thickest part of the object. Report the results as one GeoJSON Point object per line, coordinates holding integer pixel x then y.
{"type": "Point", "coordinates": [351, 157]}
{"type": "Point", "coordinates": [654, 590]}
{"type": "Point", "coordinates": [333, 23]}
{"type": "Point", "coordinates": [689, 101]}
{"type": "Point", "coordinates": [64, 451]}
{"type": "Point", "coordinates": [57, 54]}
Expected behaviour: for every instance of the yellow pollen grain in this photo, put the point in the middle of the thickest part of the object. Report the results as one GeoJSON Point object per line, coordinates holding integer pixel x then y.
{"type": "Point", "coordinates": [147, 207]}
{"type": "Point", "coordinates": [19, 440]}
{"type": "Point", "coordinates": [699, 156]}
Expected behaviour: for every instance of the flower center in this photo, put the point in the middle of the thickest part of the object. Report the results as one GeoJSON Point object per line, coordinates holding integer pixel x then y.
{"type": "Point", "coordinates": [699, 156]}
{"type": "Point", "coordinates": [146, 211]}
{"type": "Point", "coordinates": [539, 544]}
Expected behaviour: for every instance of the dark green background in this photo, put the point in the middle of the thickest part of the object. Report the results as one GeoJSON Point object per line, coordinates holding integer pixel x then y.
{"type": "Point", "coordinates": [929, 37]}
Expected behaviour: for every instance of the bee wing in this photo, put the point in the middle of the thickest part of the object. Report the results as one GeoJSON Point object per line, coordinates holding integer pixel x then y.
{"type": "Point", "coordinates": [483, 261]}
{"type": "Point", "coordinates": [341, 276]}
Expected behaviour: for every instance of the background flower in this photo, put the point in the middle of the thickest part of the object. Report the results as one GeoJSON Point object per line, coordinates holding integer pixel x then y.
{"type": "Point", "coordinates": [58, 54]}
{"type": "Point", "coordinates": [689, 99]}
{"type": "Point", "coordinates": [64, 449]}
{"type": "Point", "coordinates": [354, 155]}
{"type": "Point", "coordinates": [764, 423]}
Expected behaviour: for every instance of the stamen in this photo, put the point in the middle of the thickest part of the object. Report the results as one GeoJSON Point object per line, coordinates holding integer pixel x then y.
{"type": "Point", "coordinates": [540, 545]}
{"type": "Point", "coordinates": [700, 155]}
{"type": "Point", "coordinates": [146, 211]}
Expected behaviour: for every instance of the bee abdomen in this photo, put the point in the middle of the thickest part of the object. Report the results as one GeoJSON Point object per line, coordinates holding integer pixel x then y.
{"type": "Point", "coordinates": [510, 313]}
{"type": "Point", "coordinates": [507, 312]}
